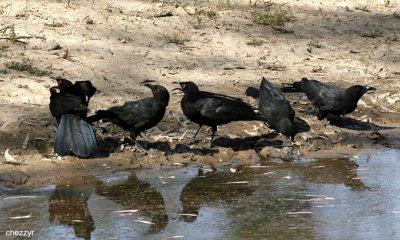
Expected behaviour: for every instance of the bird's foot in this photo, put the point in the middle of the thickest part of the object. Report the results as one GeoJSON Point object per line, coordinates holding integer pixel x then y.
{"type": "Point", "coordinates": [328, 125]}
{"type": "Point", "coordinates": [140, 148]}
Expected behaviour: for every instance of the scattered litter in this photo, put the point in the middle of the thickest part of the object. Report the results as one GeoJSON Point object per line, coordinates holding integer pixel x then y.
{"type": "Point", "coordinates": [356, 157]}
{"type": "Point", "coordinates": [20, 197]}
{"type": "Point", "coordinates": [258, 166]}
{"type": "Point", "coordinates": [167, 177]}
{"type": "Point", "coordinates": [127, 211]}
{"type": "Point", "coordinates": [21, 217]}
{"type": "Point", "coordinates": [25, 143]}
{"type": "Point", "coordinates": [142, 221]}
{"type": "Point", "coordinates": [183, 135]}
{"type": "Point", "coordinates": [10, 159]}
{"type": "Point", "coordinates": [174, 237]}
{"type": "Point", "coordinates": [329, 198]}
{"type": "Point", "coordinates": [233, 170]}
{"type": "Point", "coordinates": [76, 220]}
{"type": "Point", "coordinates": [287, 177]}
{"type": "Point", "coordinates": [238, 182]}
{"type": "Point", "coordinates": [269, 173]}
{"type": "Point", "coordinates": [178, 164]}
{"type": "Point", "coordinates": [321, 166]}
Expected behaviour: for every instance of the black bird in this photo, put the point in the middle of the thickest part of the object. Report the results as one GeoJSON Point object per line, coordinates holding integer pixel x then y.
{"type": "Point", "coordinates": [331, 99]}
{"type": "Point", "coordinates": [277, 111]}
{"type": "Point", "coordinates": [212, 109]}
{"type": "Point", "coordinates": [68, 104]}
{"type": "Point", "coordinates": [137, 116]}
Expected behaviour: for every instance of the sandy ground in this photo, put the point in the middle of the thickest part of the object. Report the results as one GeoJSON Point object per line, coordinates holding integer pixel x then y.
{"type": "Point", "coordinates": [118, 44]}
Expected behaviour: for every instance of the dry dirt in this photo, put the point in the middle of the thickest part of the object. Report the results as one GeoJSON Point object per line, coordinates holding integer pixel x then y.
{"type": "Point", "coordinates": [118, 44]}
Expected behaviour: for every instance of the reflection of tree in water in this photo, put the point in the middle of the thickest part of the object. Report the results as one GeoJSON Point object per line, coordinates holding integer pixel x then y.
{"type": "Point", "coordinates": [68, 206]}
{"type": "Point", "coordinates": [333, 172]}
{"type": "Point", "coordinates": [212, 189]}
{"type": "Point", "coordinates": [135, 194]}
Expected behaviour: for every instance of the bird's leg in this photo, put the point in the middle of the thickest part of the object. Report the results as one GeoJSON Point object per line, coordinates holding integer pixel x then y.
{"type": "Point", "coordinates": [137, 145]}
{"type": "Point", "coordinates": [213, 129]}
{"type": "Point", "coordinates": [194, 137]}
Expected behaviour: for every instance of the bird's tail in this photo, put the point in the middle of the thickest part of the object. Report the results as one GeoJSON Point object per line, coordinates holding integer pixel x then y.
{"type": "Point", "coordinates": [101, 114]}
{"type": "Point", "coordinates": [76, 136]}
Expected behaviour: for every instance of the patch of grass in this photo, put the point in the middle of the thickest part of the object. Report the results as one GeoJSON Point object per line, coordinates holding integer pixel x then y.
{"type": "Point", "coordinates": [3, 71]}
{"type": "Point", "coordinates": [175, 39]}
{"type": "Point", "coordinates": [26, 67]}
{"type": "Point", "coordinates": [255, 42]}
{"type": "Point", "coordinates": [369, 34]}
{"type": "Point", "coordinates": [3, 49]}
{"type": "Point", "coordinates": [223, 5]}
{"type": "Point", "coordinates": [314, 44]}
{"type": "Point", "coordinates": [275, 18]}
{"type": "Point", "coordinates": [211, 14]}
{"type": "Point", "coordinates": [13, 35]}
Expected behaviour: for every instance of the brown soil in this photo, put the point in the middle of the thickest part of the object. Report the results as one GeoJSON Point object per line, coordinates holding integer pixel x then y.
{"type": "Point", "coordinates": [118, 45]}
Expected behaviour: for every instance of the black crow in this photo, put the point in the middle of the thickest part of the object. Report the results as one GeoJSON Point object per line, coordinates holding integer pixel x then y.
{"type": "Point", "coordinates": [212, 109]}
{"type": "Point", "coordinates": [68, 104]}
{"type": "Point", "coordinates": [137, 116]}
{"type": "Point", "coordinates": [277, 111]}
{"type": "Point", "coordinates": [331, 99]}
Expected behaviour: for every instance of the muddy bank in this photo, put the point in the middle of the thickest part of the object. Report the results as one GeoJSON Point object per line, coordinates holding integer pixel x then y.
{"type": "Point", "coordinates": [218, 45]}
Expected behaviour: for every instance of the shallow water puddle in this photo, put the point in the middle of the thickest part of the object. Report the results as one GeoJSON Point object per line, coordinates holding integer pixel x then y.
{"type": "Point", "coordinates": [321, 199]}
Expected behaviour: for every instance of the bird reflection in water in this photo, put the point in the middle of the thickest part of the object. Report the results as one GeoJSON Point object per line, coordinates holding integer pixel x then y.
{"type": "Point", "coordinates": [213, 188]}
{"type": "Point", "coordinates": [135, 194]}
{"type": "Point", "coordinates": [68, 206]}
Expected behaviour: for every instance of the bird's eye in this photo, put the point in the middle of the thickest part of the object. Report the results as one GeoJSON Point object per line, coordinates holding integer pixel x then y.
{"type": "Point", "coordinates": [183, 86]}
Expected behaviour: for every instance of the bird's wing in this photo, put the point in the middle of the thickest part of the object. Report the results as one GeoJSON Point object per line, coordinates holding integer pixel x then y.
{"type": "Point", "coordinates": [323, 95]}
{"type": "Point", "coordinates": [66, 103]}
{"type": "Point", "coordinates": [273, 104]}
{"type": "Point", "coordinates": [223, 109]}
{"type": "Point", "coordinates": [135, 112]}
{"type": "Point", "coordinates": [218, 95]}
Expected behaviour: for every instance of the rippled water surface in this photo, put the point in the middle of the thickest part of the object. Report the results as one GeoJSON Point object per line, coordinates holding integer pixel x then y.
{"type": "Point", "coordinates": [309, 199]}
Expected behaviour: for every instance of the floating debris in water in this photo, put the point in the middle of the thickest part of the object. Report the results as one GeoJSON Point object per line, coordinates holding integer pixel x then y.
{"type": "Point", "coordinates": [20, 197]}
{"type": "Point", "coordinates": [287, 177]}
{"type": "Point", "coordinates": [21, 217]}
{"type": "Point", "coordinates": [238, 182]}
{"type": "Point", "coordinates": [143, 221]}
{"type": "Point", "coordinates": [76, 220]}
{"type": "Point", "coordinates": [259, 166]}
{"type": "Point", "coordinates": [127, 211]}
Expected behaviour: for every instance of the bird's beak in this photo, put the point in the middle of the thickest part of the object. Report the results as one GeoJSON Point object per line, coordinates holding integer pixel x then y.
{"type": "Point", "coordinates": [175, 89]}
{"type": "Point", "coordinates": [179, 88]}
{"type": "Point", "coordinates": [149, 86]}
{"type": "Point", "coordinates": [368, 88]}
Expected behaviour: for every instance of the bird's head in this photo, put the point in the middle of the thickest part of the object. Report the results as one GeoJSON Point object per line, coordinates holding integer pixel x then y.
{"type": "Point", "coordinates": [358, 91]}
{"type": "Point", "coordinates": [159, 92]}
{"type": "Point", "coordinates": [187, 87]}
{"type": "Point", "coordinates": [63, 83]}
